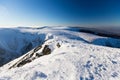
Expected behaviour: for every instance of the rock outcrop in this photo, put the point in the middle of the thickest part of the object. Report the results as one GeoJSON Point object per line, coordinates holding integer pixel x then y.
{"type": "Point", "coordinates": [31, 56]}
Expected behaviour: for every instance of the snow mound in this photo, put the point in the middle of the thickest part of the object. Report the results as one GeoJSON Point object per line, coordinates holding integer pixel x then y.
{"type": "Point", "coordinates": [70, 55]}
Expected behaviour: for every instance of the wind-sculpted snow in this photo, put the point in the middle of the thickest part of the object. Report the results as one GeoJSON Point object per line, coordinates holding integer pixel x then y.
{"type": "Point", "coordinates": [73, 56]}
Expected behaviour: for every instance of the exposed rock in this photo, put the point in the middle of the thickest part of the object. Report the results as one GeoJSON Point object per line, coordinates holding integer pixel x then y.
{"type": "Point", "coordinates": [58, 45]}
{"type": "Point", "coordinates": [46, 50]}
{"type": "Point", "coordinates": [37, 48]}
{"type": "Point", "coordinates": [30, 56]}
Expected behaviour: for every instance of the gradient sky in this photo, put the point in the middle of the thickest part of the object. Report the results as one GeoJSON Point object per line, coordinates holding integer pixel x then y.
{"type": "Point", "coordinates": [59, 12]}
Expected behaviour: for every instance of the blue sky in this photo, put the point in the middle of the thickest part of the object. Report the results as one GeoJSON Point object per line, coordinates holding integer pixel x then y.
{"type": "Point", "coordinates": [59, 12]}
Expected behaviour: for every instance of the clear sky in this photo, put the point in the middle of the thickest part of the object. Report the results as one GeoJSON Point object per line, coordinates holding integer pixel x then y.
{"type": "Point", "coordinates": [59, 12]}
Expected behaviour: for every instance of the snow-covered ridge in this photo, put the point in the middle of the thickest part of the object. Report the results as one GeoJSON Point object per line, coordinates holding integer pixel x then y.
{"type": "Point", "coordinates": [16, 42]}
{"type": "Point", "coordinates": [72, 56]}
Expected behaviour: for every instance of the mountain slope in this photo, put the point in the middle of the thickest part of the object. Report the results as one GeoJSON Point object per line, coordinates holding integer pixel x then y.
{"type": "Point", "coordinates": [14, 43]}
{"type": "Point", "coordinates": [72, 57]}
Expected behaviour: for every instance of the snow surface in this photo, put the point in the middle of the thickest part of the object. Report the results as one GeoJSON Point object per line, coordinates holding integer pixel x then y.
{"type": "Point", "coordinates": [77, 58]}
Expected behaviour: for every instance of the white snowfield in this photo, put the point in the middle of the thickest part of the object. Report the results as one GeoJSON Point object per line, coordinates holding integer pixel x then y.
{"type": "Point", "coordinates": [79, 57]}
